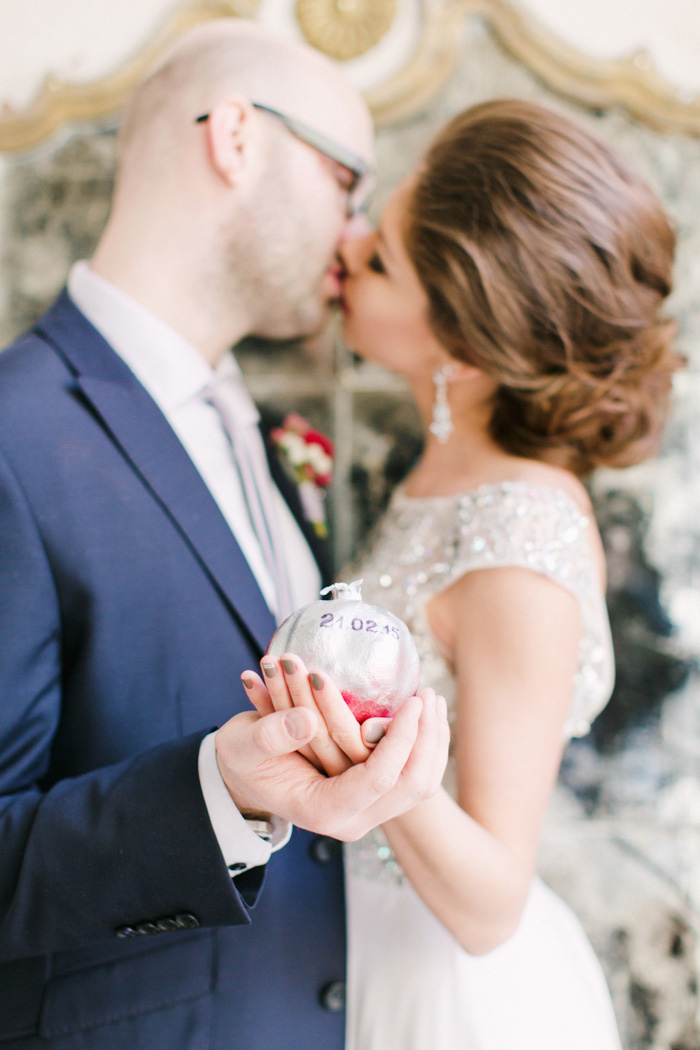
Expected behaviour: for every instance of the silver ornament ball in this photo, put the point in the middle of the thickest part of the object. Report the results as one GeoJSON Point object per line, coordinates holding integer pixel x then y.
{"type": "Point", "coordinates": [367, 651]}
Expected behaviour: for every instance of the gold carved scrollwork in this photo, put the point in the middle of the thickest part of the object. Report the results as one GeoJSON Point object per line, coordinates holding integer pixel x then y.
{"type": "Point", "coordinates": [63, 103]}
{"type": "Point", "coordinates": [632, 84]}
{"type": "Point", "coordinates": [357, 25]}
{"type": "Point", "coordinates": [345, 29]}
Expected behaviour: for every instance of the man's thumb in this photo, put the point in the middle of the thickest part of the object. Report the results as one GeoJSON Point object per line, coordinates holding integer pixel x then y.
{"type": "Point", "coordinates": [285, 731]}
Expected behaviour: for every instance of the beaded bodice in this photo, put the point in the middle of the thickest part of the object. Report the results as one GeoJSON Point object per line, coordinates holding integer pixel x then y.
{"type": "Point", "coordinates": [423, 545]}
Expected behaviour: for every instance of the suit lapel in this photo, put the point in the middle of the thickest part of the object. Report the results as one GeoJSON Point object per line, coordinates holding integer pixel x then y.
{"type": "Point", "coordinates": [155, 453]}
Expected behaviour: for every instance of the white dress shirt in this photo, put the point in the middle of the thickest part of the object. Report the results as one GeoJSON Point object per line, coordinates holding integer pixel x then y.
{"type": "Point", "coordinates": [176, 376]}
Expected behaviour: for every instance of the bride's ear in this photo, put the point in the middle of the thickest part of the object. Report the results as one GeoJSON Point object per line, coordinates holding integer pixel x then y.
{"type": "Point", "coordinates": [470, 380]}
{"type": "Point", "coordinates": [462, 371]}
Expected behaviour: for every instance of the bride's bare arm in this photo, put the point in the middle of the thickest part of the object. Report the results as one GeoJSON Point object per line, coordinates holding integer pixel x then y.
{"type": "Point", "coordinates": [515, 637]}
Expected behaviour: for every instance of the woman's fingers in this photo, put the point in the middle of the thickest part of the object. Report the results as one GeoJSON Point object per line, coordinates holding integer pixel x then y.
{"type": "Point", "coordinates": [434, 726]}
{"type": "Point", "coordinates": [270, 694]}
{"type": "Point", "coordinates": [257, 693]}
{"type": "Point", "coordinates": [286, 681]}
{"type": "Point", "coordinates": [341, 723]}
{"type": "Point", "coordinates": [373, 730]}
{"type": "Point", "coordinates": [339, 741]}
{"type": "Point", "coordinates": [275, 683]}
{"type": "Point", "coordinates": [331, 755]}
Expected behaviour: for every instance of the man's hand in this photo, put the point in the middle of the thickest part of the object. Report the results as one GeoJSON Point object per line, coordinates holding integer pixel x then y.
{"type": "Point", "coordinates": [265, 773]}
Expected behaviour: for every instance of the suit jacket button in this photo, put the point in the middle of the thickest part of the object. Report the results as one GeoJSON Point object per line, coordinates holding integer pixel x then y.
{"type": "Point", "coordinates": [324, 850]}
{"type": "Point", "coordinates": [186, 921]}
{"type": "Point", "coordinates": [332, 996]}
{"type": "Point", "coordinates": [147, 928]}
{"type": "Point", "coordinates": [126, 931]}
{"type": "Point", "coordinates": [167, 924]}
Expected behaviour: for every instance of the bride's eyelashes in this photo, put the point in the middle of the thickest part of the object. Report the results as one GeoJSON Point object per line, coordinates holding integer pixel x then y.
{"type": "Point", "coordinates": [375, 263]}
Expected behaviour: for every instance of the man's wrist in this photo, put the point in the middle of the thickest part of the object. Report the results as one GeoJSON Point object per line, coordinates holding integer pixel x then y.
{"type": "Point", "coordinates": [245, 805]}
{"type": "Point", "coordinates": [245, 839]}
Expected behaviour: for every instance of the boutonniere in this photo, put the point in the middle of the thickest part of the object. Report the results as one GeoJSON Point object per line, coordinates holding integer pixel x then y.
{"type": "Point", "coordinates": [309, 456]}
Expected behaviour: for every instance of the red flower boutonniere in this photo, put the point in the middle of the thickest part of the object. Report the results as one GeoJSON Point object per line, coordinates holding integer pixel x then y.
{"type": "Point", "coordinates": [309, 456]}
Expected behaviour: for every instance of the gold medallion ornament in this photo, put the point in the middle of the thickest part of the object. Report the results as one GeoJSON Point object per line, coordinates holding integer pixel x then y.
{"type": "Point", "coordinates": [344, 29]}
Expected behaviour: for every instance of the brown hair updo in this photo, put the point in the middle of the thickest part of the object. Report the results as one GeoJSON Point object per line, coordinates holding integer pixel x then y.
{"type": "Point", "coordinates": [546, 261]}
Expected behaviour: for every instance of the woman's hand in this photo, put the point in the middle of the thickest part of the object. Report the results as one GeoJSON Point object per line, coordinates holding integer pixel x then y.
{"type": "Point", "coordinates": [259, 760]}
{"type": "Point", "coordinates": [339, 742]}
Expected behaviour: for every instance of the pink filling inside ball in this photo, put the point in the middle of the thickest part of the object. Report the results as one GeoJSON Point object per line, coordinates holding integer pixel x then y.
{"type": "Point", "coordinates": [363, 709]}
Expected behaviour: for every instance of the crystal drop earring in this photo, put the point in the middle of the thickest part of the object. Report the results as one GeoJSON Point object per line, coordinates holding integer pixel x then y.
{"type": "Point", "coordinates": [442, 425]}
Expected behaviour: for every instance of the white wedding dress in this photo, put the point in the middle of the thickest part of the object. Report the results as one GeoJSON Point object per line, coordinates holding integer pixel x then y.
{"type": "Point", "coordinates": [411, 986]}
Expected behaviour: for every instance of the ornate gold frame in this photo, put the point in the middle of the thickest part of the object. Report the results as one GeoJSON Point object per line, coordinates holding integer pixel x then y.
{"type": "Point", "coordinates": [61, 103]}
{"type": "Point", "coordinates": [632, 84]}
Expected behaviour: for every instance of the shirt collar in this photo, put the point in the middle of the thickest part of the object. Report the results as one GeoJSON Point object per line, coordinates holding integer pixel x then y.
{"type": "Point", "coordinates": [165, 363]}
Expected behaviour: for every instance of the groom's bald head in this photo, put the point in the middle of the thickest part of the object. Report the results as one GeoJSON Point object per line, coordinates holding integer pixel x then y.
{"type": "Point", "coordinates": [238, 57]}
{"type": "Point", "coordinates": [236, 218]}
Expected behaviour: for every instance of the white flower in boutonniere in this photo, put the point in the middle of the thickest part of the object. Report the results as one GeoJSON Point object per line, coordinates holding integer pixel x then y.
{"type": "Point", "coordinates": [309, 455]}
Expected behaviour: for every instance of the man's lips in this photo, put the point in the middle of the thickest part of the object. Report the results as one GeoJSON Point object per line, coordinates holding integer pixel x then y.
{"type": "Point", "coordinates": [336, 275]}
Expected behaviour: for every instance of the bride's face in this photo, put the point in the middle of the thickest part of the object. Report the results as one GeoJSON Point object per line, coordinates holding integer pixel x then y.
{"type": "Point", "coordinates": [384, 304]}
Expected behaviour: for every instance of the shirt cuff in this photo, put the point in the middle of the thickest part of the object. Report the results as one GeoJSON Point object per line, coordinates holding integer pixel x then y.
{"type": "Point", "coordinates": [240, 846]}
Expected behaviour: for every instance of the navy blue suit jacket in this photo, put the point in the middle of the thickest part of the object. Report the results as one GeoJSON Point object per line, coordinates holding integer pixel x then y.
{"type": "Point", "coordinates": [127, 613]}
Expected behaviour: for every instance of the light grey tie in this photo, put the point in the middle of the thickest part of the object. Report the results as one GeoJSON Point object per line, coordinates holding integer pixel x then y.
{"type": "Point", "coordinates": [240, 420]}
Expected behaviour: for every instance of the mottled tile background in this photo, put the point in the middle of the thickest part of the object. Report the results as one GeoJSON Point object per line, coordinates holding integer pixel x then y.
{"type": "Point", "coordinates": [622, 841]}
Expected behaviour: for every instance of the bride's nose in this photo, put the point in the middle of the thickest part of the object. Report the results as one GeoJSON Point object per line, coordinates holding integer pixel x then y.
{"type": "Point", "coordinates": [354, 249]}
{"type": "Point", "coordinates": [356, 226]}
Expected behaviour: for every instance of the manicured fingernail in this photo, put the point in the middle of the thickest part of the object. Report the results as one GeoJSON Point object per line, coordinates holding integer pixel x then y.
{"type": "Point", "coordinates": [270, 670]}
{"type": "Point", "coordinates": [248, 682]}
{"type": "Point", "coordinates": [288, 666]}
{"type": "Point", "coordinates": [316, 681]}
{"type": "Point", "coordinates": [374, 733]}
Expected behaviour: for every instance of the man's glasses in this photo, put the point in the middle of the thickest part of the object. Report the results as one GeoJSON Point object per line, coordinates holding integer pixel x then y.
{"type": "Point", "coordinates": [357, 186]}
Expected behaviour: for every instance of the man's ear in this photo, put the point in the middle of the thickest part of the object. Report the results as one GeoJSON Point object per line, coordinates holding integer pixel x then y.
{"type": "Point", "coordinates": [228, 132]}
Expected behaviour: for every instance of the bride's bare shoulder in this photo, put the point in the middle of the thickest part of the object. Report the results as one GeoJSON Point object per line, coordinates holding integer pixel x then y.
{"type": "Point", "coordinates": [539, 473]}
